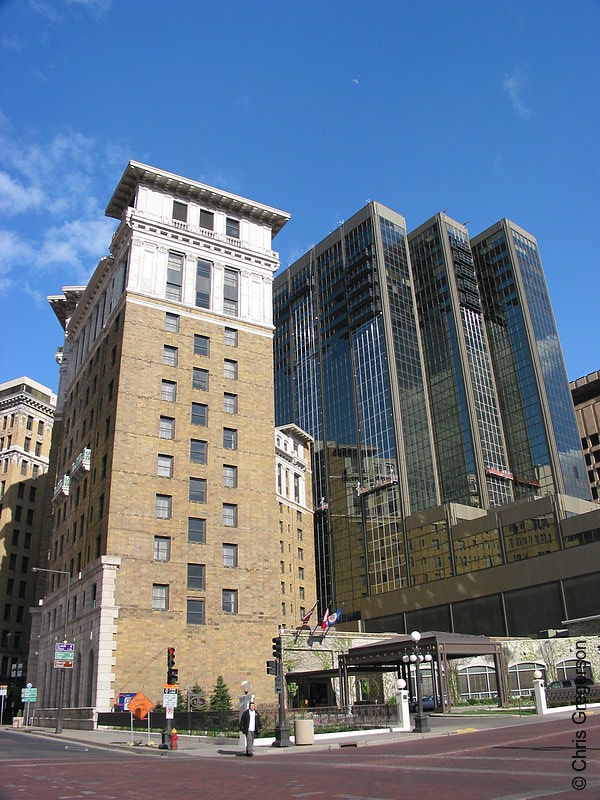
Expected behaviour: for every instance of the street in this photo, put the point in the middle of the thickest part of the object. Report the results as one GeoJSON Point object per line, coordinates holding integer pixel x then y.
{"type": "Point", "coordinates": [517, 762]}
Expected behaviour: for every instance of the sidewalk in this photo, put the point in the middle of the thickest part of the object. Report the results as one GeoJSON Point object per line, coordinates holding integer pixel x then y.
{"type": "Point", "coordinates": [202, 746]}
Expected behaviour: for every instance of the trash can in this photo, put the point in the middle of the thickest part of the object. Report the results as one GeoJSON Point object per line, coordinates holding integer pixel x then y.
{"type": "Point", "coordinates": [304, 731]}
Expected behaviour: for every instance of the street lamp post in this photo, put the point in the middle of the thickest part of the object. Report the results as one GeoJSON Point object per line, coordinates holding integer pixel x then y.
{"type": "Point", "coordinates": [417, 658]}
{"type": "Point", "coordinates": [61, 688]}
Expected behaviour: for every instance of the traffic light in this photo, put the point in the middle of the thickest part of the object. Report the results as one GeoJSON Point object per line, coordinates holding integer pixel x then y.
{"type": "Point", "coordinates": [172, 673]}
{"type": "Point", "coordinates": [271, 668]}
{"type": "Point", "coordinates": [277, 647]}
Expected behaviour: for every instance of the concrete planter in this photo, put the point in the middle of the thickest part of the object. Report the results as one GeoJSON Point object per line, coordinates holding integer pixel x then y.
{"type": "Point", "coordinates": [304, 731]}
{"type": "Point", "coordinates": [17, 722]}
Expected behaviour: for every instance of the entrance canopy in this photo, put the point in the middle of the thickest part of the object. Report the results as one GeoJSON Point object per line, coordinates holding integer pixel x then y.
{"type": "Point", "coordinates": [386, 656]}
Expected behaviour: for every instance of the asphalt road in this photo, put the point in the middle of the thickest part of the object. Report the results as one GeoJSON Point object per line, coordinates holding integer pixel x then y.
{"type": "Point", "coordinates": [520, 762]}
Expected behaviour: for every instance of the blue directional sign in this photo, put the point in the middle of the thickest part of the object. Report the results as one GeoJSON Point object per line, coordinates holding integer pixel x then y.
{"type": "Point", "coordinates": [64, 653]}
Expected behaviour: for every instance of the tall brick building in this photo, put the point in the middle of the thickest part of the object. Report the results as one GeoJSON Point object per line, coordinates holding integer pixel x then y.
{"type": "Point", "coordinates": [26, 419]}
{"type": "Point", "coordinates": [165, 514]}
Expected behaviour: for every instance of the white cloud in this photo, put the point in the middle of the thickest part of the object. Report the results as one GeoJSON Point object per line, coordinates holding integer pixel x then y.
{"type": "Point", "coordinates": [52, 192]}
{"type": "Point", "coordinates": [45, 10]}
{"type": "Point", "coordinates": [11, 43]}
{"type": "Point", "coordinates": [78, 244]}
{"type": "Point", "coordinates": [96, 6]}
{"type": "Point", "coordinates": [14, 250]}
{"type": "Point", "coordinates": [16, 198]}
{"type": "Point", "coordinates": [514, 85]}
{"type": "Point", "coordinates": [53, 14]}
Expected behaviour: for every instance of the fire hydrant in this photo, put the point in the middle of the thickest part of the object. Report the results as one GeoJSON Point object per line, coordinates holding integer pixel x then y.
{"type": "Point", "coordinates": [174, 739]}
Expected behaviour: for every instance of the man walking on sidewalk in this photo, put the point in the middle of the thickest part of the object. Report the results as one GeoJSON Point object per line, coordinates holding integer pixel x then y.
{"type": "Point", "coordinates": [250, 726]}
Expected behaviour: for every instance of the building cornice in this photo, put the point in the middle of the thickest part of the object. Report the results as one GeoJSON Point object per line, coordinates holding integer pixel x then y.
{"type": "Point", "coordinates": [137, 173]}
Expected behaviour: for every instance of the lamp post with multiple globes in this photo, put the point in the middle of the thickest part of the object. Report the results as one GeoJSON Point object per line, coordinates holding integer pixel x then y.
{"type": "Point", "coordinates": [416, 657]}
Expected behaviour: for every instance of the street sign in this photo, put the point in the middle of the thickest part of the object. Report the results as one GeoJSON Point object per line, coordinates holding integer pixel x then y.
{"type": "Point", "coordinates": [3, 690]}
{"type": "Point", "coordinates": [169, 712]}
{"type": "Point", "coordinates": [123, 699]}
{"type": "Point", "coordinates": [278, 685]}
{"type": "Point", "coordinates": [170, 695]}
{"type": "Point", "coordinates": [64, 653]}
{"type": "Point", "coordinates": [29, 695]}
{"type": "Point", "coordinates": [140, 705]}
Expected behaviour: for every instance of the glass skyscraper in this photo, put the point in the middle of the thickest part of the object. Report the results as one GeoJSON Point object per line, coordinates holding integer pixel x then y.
{"type": "Point", "coordinates": [393, 352]}
{"type": "Point", "coordinates": [537, 409]}
{"type": "Point", "coordinates": [469, 440]}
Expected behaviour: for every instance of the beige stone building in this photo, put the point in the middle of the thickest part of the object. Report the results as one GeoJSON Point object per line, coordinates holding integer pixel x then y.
{"type": "Point", "coordinates": [165, 514]}
{"type": "Point", "coordinates": [296, 532]}
{"type": "Point", "coordinates": [586, 399]}
{"type": "Point", "coordinates": [26, 419]}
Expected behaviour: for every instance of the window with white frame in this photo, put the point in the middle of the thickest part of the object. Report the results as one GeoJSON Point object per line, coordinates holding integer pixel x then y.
{"type": "Point", "coordinates": [230, 515]}
{"type": "Point", "coordinates": [522, 675]}
{"type": "Point", "coordinates": [229, 476]}
{"type": "Point", "coordinates": [170, 356]}
{"type": "Point", "coordinates": [165, 466]}
{"type": "Point", "coordinates": [230, 555]}
{"type": "Point", "coordinates": [203, 281]}
{"type": "Point", "coordinates": [168, 391]}
{"type": "Point", "coordinates": [230, 403]}
{"type": "Point", "coordinates": [160, 597]}
{"type": "Point", "coordinates": [231, 337]}
{"type": "Point", "coordinates": [162, 548]}
{"type": "Point", "coordinates": [163, 506]}
{"type": "Point", "coordinates": [230, 369]}
{"type": "Point", "coordinates": [230, 601]}
{"type": "Point", "coordinates": [166, 428]}
{"type": "Point", "coordinates": [172, 322]}
{"type": "Point", "coordinates": [230, 291]}
{"type": "Point", "coordinates": [230, 439]}
{"type": "Point", "coordinates": [174, 276]}
{"type": "Point", "coordinates": [232, 227]}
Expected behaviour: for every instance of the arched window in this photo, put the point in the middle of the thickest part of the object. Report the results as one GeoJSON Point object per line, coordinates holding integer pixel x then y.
{"type": "Point", "coordinates": [521, 677]}
{"type": "Point", "coordinates": [477, 681]}
{"type": "Point", "coordinates": [570, 668]}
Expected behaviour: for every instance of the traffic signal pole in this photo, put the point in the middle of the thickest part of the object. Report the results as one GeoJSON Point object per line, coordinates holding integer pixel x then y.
{"type": "Point", "coordinates": [282, 729]}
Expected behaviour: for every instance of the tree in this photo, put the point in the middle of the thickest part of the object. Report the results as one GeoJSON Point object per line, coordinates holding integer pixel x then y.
{"type": "Point", "coordinates": [220, 699]}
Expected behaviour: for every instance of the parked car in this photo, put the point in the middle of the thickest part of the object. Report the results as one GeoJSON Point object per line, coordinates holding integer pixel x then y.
{"type": "Point", "coordinates": [428, 704]}
{"type": "Point", "coordinates": [570, 683]}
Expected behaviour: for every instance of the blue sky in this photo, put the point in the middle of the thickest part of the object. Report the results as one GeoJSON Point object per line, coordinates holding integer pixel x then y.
{"type": "Point", "coordinates": [481, 109]}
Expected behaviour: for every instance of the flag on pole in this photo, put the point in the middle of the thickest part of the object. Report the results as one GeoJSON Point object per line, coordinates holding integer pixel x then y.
{"type": "Point", "coordinates": [307, 616]}
{"type": "Point", "coordinates": [335, 617]}
{"type": "Point", "coordinates": [325, 619]}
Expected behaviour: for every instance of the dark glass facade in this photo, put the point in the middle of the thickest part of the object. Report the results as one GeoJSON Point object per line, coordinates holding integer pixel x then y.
{"type": "Point", "coordinates": [430, 379]}
{"type": "Point", "coordinates": [348, 369]}
{"type": "Point", "coordinates": [543, 443]}
{"type": "Point", "coordinates": [470, 448]}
